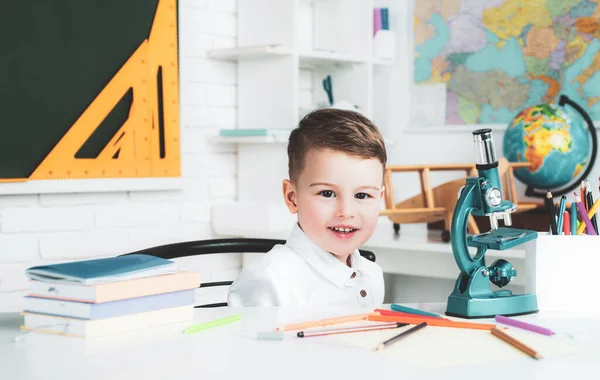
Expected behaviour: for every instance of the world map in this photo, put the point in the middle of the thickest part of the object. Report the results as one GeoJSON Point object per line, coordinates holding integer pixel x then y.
{"type": "Point", "coordinates": [483, 61]}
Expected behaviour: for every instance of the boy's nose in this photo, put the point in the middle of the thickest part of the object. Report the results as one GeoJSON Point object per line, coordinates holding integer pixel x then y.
{"type": "Point", "coordinates": [345, 209]}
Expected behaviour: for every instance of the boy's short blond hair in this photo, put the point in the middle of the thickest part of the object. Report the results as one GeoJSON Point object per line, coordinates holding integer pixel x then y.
{"type": "Point", "coordinates": [339, 130]}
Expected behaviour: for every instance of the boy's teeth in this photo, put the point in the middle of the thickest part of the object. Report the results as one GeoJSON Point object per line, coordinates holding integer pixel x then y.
{"type": "Point", "coordinates": [340, 229]}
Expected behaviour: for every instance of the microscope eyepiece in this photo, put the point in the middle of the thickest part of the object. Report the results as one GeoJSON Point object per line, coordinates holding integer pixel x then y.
{"type": "Point", "coordinates": [485, 153]}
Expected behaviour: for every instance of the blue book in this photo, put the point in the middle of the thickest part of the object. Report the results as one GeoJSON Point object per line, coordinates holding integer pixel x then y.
{"type": "Point", "coordinates": [84, 310]}
{"type": "Point", "coordinates": [100, 271]}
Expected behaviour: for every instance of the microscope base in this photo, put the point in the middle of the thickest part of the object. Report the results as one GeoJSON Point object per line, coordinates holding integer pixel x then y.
{"type": "Point", "coordinates": [490, 307]}
{"type": "Point", "coordinates": [473, 298]}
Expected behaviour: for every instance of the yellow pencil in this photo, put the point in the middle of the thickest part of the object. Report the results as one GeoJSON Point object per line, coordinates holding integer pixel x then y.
{"type": "Point", "coordinates": [590, 213]}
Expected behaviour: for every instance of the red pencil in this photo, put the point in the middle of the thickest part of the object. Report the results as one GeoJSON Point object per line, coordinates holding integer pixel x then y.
{"type": "Point", "coordinates": [566, 223]}
{"type": "Point", "coordinates": [393, 313]}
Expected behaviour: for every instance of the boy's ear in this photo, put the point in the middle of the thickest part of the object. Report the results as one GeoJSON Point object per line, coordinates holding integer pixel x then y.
{"type": "Point", "coordinates": [382, 192]}
{"type": "Point", "coordinates": [289, 196]}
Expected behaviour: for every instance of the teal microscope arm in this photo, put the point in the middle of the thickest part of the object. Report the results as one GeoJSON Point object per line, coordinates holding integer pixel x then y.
{"type": "Point", "coordinates": [467, 203]}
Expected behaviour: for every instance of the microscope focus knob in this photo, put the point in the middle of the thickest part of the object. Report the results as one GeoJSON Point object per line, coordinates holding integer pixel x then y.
{"type": "Point", "coordinates": [493, 197]}
{"type": "Point", "coordinates": [502, 272]}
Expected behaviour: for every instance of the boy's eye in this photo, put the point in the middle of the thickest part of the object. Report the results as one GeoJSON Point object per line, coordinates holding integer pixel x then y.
{"type": "Point", "coordinates": [327, 193]}
{"type": "Point", "coordinates": [362, 196]}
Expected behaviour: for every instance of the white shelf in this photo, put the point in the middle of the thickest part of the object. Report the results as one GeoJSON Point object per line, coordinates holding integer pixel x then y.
{"type": "Point", "coordinates": [249, 52]}
{"type": "Point", "coordinates": [320, 57]}
{"type": "Point", "coordinates": [306, 58]}
{"type": "Point", "coordinates": [248, 139]}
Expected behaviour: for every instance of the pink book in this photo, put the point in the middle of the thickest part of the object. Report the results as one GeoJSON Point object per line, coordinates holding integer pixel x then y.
{"type": "Point", "coordinates": [114, 291]}
{"type": "Point", "coordinates": [377, 25]}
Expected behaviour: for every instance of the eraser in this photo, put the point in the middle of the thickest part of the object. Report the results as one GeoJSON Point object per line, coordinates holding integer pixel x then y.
{"type": "Point", "coordinates": [269, 335]}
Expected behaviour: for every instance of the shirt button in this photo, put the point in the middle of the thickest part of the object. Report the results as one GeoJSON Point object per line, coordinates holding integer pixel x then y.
{"type": "Point", "coordinates": [363, 293]}
{"type": "Point", "coordinates": [353, 275]}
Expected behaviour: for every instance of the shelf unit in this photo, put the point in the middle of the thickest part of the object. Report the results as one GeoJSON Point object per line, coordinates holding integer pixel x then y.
{"type": "Point", "coordinates": [285, 49]}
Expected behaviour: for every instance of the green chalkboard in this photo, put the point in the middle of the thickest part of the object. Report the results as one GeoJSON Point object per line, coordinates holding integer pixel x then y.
{"type": "Point", "coordinates": [55, 57]}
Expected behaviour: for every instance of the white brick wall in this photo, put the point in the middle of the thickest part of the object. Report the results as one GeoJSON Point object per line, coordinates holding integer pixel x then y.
{"type": "Point", "coordinates": [51, 228]}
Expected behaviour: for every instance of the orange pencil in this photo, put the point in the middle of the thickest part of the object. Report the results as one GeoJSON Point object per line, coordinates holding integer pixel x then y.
{"type": "Point", "coordinates": [324, 322]}
{"type": "Point", "coordinates": [392, 313]}
{"type": "Point", "coordinates": [517, 344]}
{"type": "Point", "coordinates": [432, 322]}
{"type": "Point", "coordinates": [567, 223]}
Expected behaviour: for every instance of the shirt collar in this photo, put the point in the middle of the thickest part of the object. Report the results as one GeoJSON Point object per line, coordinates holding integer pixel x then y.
{"type": "Point", "coordinates": [322, 261]}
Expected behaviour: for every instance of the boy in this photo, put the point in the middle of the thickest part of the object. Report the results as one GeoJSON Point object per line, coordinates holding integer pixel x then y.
{"type": "Point", "coordinates": [336, 160]}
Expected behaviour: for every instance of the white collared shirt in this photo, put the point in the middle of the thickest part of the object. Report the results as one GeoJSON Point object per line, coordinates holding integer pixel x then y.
{"type": "Point", "coordinates": [300, 273]}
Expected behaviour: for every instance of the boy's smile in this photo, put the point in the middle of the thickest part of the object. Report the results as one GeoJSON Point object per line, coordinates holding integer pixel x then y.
{"type": "Point", "coordinates": [337, 198]}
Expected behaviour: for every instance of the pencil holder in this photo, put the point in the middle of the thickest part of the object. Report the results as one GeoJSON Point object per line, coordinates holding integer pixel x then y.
{"type": "Point", "coordinates": [564, 277]}
{"type": "Point", "coordinates": [384, 45]}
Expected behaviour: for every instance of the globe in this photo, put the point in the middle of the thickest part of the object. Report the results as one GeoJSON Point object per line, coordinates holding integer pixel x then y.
{"type": "Point", "coordinates": [556, 142]}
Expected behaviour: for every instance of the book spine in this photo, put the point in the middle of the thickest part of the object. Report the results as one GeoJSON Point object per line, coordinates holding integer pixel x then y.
{"type": "Point", "coordinates": [376, 20]}
{"type": "Point", "coordinates": [86, 328]}
{"type": "Point", "coordinates": [146, 287]}
{"type": "Point", "coordinates": [141, 304]}
{"type": "Point", "coordinates": [385, 19]}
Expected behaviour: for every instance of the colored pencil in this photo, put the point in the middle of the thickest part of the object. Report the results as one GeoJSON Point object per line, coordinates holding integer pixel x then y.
{"type": "Point", "coordinates": [324, 322]}
{"type": "Point", "coordinates": [551, 212]}
{"type": "Point", "coordinates": [409, 310]}
{"type": "Point", "coordinates": [400, 336]}
{"type": "Point", "coordinates": [573, 217]}
{"type": "Point", "coordinates": [567, 223]}
{"type": "Point", "coordinates": [523, 325]}
{"type": "Point", "coordinates": [582, 193]}
{"type": "Point", "coordinates": [592, 211]}
{"type": "Point", "coordinates": [589, 203]}
{"type": "Point", "coordinates": [586, 219]}
{"type": "Point", "coordinates": [561, 212]}
{"type": "Point", "coordinates": [209, 325]}
{"type": "Point", "coordinates": [432, 322]}
{"type": "Point", "coordinates": [519, 345]}
{"type": "Point", "coordinates": [383, 326]}
{"type": "Point", "coordinates": [401, 314]}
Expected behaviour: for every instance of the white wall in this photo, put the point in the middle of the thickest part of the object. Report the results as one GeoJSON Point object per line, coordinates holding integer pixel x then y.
{"type": "Point", "coordinates": [43, 229]}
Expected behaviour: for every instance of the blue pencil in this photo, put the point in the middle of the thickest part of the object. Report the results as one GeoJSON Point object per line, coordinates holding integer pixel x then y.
{"type": "Point", "coordinates": [409, 310]}
{"type": "Point", "coordinates": [573, 218]}
{"type": "Point", "coordinates": [561, 211]}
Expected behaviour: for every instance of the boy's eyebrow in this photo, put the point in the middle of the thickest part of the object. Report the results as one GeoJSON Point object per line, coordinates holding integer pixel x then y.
{"type": "Point", "coordinates": [321, 184]}
{"type": "Point", "coordinates": [370, 187]}
{"type": "Point", "coordinates": [331, 185]}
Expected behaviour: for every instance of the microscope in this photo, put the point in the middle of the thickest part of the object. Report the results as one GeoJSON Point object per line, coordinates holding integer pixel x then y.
{"type": "Point", "coordinates": [473, 296]}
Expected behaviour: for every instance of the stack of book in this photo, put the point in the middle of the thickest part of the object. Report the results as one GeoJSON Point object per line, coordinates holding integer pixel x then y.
{"type": "Point", "coordinates": [100, 297]}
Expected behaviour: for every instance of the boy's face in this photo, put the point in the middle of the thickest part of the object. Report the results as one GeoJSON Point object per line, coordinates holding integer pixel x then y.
{"type": "Point", "coordinates": [337, 198]}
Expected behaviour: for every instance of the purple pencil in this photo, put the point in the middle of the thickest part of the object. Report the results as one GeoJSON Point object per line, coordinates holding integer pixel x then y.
{"type": "Point", "coordinates": [523, 325]}
{"type": "Point", "coordinates": [584, 216]}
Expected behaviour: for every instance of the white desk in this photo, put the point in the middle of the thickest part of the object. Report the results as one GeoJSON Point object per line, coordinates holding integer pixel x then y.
{"type": "Point", "coordinates": [231, 352]}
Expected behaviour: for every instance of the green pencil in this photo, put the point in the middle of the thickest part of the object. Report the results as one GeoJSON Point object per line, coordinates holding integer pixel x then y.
{"type": "Point", "coordinates": [405, 309]}
{"type": "Point", "coordinates": [211, 324]}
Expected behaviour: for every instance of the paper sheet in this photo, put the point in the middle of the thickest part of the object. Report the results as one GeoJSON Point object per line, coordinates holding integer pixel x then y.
{"type": "Point", "coordinates": [443, 346]}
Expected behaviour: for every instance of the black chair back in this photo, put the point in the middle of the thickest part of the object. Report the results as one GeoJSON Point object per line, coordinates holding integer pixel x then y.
{"type": "Point", "coordinates": [214, 246]}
